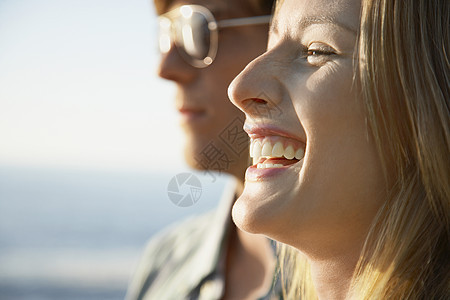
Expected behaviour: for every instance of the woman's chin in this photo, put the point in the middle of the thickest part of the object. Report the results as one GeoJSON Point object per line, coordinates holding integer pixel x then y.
{"type": "Point", "coordinates": [262, 208]}
{"type": "Point", "coordinates": [245, 216]}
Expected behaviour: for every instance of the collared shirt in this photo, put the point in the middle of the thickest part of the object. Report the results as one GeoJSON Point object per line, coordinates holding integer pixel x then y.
{"type": "Point", "coordinates": [187, 261]}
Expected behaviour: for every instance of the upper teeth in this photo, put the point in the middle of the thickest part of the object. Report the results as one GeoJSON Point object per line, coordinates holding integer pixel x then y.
{"type": "Point", "coordinates": [265, 148]}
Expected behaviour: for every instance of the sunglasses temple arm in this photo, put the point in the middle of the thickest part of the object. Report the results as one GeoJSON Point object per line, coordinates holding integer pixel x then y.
{"type": "Point", "coordinates": [244, 21]}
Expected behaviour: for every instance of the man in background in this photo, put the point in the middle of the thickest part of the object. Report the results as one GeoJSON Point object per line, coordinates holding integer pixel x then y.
{"type": "Point", "coordinates": [204, 45]}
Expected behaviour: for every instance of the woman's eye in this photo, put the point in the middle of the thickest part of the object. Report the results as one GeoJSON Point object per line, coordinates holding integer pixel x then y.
{"type": "Point", "coordinates": [319, 52]}
{"type": "Point", "coordinates": [319, 55]}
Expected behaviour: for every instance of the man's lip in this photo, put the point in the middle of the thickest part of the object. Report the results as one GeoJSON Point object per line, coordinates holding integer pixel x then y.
{"type": "Point", "coordinates": [192, 114]}
{"type": "Point", "coordinates": [255, 131]}
{"type": "Point", "coordinates": [191, 110]}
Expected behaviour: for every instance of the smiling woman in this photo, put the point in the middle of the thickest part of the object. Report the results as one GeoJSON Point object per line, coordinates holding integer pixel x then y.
{"type": "Point", "coordinates": [366, 202]}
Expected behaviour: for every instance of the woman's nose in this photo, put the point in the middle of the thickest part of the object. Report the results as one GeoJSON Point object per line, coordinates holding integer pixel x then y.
{"type": "Point", "coordinates": [256, 89]}
{"type": "Point", "coordinates": [173, 67]}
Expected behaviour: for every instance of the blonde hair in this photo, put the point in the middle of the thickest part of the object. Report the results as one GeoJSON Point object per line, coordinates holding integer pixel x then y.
{"type": "Point", "coordinates": [403, 71]}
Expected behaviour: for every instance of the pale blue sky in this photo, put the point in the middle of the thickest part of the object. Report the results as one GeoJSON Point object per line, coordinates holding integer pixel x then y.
{"type": "Point", "coordinates": [78, 87]}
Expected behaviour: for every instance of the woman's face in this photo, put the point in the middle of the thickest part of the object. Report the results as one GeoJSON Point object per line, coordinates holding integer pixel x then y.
{"type": "Point", "coordinates": [301, 104]}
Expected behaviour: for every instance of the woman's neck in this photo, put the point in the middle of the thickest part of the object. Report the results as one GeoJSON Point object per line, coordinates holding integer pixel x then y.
{"type": "Point", "coordinates": [332, 279]}
{"type": "Point", "coordinates": [332, 273]}
{"type": "Point", "coordinates": [250, 262]}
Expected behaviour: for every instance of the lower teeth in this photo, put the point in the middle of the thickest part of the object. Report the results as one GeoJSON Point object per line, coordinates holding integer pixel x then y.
{"type": "Point", "coordinates": [269, 166]}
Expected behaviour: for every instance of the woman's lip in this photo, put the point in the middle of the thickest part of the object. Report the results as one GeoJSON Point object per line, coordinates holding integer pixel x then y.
{"type": "Point", "coordinates": [255, 132]}
{"type": "Point", "coordinates": [254, 174]}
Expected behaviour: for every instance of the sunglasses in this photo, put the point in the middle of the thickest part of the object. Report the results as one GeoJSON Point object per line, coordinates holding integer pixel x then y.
{"type": "Point", "coordinates": [194, 31]}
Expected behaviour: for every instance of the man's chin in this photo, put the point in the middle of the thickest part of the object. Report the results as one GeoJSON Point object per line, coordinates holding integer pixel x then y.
{"type": "Point", "coordinates": [211, 156]}
{"type": "Point", "coordinates": [193, 158]}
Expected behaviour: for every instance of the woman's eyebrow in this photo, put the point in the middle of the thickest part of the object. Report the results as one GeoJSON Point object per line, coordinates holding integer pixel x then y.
{"type": "Point", "coordinates": [308, 21]}
{"type": "Point", "coordinates": [305, 22]}
{"type": "Point", "coordinates": [273, 29]}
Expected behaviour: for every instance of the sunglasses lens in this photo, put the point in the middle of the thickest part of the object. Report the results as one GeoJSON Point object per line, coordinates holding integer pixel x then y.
{"type": "Point", "coordinates": [193, 30]}
{"type": "Point", "coordinates": [165, 40]}
{"type": "Point", "coordinates": [193, 35]}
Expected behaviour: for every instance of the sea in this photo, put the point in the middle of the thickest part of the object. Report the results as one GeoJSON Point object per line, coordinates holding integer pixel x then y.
{"type": "Point", "coordinates": [78, 234]}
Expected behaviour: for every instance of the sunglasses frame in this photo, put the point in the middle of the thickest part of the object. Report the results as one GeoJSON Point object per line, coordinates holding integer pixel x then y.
{"type": "Point", "coordinates": [166, 21]}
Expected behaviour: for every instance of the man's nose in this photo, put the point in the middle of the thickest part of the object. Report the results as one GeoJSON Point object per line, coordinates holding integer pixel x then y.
{"type": "Point", "coordinates": [173, 67]}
